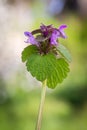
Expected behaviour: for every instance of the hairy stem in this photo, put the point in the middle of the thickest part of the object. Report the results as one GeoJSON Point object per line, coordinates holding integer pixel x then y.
{"type": "Point", "coordinates": [39, 119]}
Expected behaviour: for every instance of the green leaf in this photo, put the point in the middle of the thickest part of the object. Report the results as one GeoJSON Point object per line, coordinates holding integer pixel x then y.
{"type": "Point", "coordinates": [64, 52]}
{"type": "Point", "coordinates": [60, 71]}
{"type": "Point", "coordinates": [47, 67]}
{"type": "Point", "coordinates": [39, 66]}
{"type": "Point", "coordinates": [28, 51]}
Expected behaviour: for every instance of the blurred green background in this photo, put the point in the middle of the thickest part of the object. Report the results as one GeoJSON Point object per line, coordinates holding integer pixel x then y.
{"type": "Point", "coordinates": [66, 105]}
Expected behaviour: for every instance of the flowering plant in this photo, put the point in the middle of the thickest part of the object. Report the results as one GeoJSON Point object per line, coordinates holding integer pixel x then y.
{"type": "Point", "coordinates": [46, 59]}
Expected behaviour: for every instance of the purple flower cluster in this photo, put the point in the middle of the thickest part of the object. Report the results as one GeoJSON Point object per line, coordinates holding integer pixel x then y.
{"type": "Point", "coordinates": [47, 37]}
{"type": "Point", "coordinates": [47, 32]}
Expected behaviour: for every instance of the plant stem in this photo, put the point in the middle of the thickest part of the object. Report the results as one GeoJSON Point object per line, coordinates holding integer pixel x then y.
{"type": "Point", "coordinates": [39, 119]}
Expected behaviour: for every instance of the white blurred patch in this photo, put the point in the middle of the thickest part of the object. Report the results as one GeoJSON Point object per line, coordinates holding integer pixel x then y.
{"type": "Point", "coordinates": [13, 22]}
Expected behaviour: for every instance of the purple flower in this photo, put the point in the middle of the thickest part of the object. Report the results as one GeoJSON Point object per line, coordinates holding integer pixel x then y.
{"type": "Point", "coordinates": [46, 29]}
{"type": "Point", "coordinates": [45, 37]}
{"type": "Point", "coordinates": [61, 30]}
{"type": "Point", "coordinates": [54, 37]}
{"type": "Point", "coordinates": [31, 38]}
{"type": "Point", "coordinates": [57, 33]}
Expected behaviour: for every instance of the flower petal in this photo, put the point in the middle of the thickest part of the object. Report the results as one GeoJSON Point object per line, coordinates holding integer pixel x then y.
{"type": "Point", "coordinates": [30, 39]}
{"type": "Point", "coordinates": [46, 29]}
{"type": "Point", "coordinates": [54, 37]}
{"type": "Point", "coordinates": [43, 27]}
{"type": "Point", "coordinates": [61, 29]}
{"type": "Point", "coordinates": [27, 34]}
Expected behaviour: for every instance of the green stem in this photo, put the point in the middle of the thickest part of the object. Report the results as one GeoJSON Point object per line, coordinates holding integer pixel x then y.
{"type": "Point", "coordinates": [38, 124]}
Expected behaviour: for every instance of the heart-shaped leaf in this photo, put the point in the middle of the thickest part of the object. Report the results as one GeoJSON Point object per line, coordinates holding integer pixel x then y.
{"type": "Point", "coordinates": [47, 67]}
